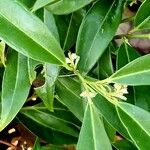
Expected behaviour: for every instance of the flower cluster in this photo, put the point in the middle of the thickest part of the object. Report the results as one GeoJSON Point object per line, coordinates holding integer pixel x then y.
{"type": "Point", "coordinates": [72, 60]}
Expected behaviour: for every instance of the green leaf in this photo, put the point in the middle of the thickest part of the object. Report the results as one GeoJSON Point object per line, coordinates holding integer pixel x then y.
{"type": "Point", "coordinates": [65, 6]}
{"type": "Point", "coordinates": [68, 26]}
{"type": "Point", "coordinates": [136, 72]}
{"type": "Point", "coordinates": [108, 111]}
{"type": "Point", "coordinates": [50, 22]}
{"type": "Point", "coordinates": [105, 66]}
{"type": "Point", "coordinates": [69, 92]}
{"type": "Point", "coordinates": [92, 134]}
{"type": "Point", "coordinates": [46, 92]}
{"type": "Point", "coordinates": [28, 3]}
{"type": "Point", "coordinates": [125, 55]}
{"type": "Point", "coordinates": [15, 87]}
{"type": "Point", "coordinates": [31, 69]}
{"type": "Point", "coordinates": [95, 32]}
{"type": "Point", "coordinates": [142, 18]}
{"type": "Point", "coordinates": [124, 145]}
{"type": "Point", "coordinates": [37, 144]}
{"type": "Point", "coordinates": [137, 123]}
{"type": "Point", "coordinates": [50, 126]}
{"type": "Point", "coordinates": [32, 39]}
{"type": "Point", "coordinates": [40, 3]}
{"type": "Point", "coordinates": [2, 53]}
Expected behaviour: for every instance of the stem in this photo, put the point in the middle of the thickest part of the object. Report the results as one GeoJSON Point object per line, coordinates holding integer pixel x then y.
{"type": "Point", "coordinates": [127, 19]}
{"type": "Point", "coordinates": [138, 36]}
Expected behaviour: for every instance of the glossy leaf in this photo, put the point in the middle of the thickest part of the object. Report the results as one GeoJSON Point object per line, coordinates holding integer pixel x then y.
{"type": "Point", "coordinates": [27, 3]}
{"type": "Point", "coordinates": [108, 111]}
{"type": "Point", "coordinates": [136, 121]}
{"type": "Point", "coordinates": [92, 135]}
{"type": "Point", "coordinates": [65, 6]}
{"type": "Point", "coordinates": [46, 92]}
{"type": "Point", "coordinates": [2, 52]}
{"type": "Point", "coordinates": [33, 40]}
{"type": "Point", "coordinates": [40, 3]}
{"type": "Point", "coordinates": [49, 126]}
{"type": "Point", "coordinates": [68, 26]}
{"type": "Point", "coordinates": [15, 87]}
{"type": "Point", "coordinates": [125, 55]}
{"type": "Point", "coordinates": [95, 32]}
{"type": "Point", "coordinates": [50, 22]}
{"type": "Point", "coordinates": [31, 69]}
{"type": "Point", "coordinates": [69, 92]}
{"type": "Point", "coordinates": [142, 18]}
{"type": "Point", "coordinates": [135, 73]}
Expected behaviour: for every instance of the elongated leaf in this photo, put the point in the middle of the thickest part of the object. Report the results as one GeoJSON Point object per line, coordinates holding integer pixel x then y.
{"type": "Point", "coordinates": [136, 72]}
{"type": "Point", "coordinates": [49, 20]}
{"type": "Point", "coordinates": [125, 55]}
{"type": "Point", "coordinates": [46, 92]}
{"type": "Point", "coordinates": [69, 92]}
{"type": "Point", "coordinates": [15, 87]}
{"type": "Point", "coordinates": [28, 3]}
{"type": "Point", "coordinates": [137, 123]}
{"type": "Point", "coordinates": [67, 6]}
{"type": "Point", "coordinates": [142, 18]}
{"type": "Point", "coordinates": [94, 36]}
{"type": "Point", "coordinates": [49, 126]}
{"type": "Point", "coordinates": [31, 69]}
{"type": "Point", "coordinates": [108, 111]}
{"type": "Point", "coordinates": [2, 52]}
{"type": "Point", "coordinates": [32, 39]}
{"type": "Point", "coordinates": [92, 135]}
{"type": "Point", "coordinates": [40, 3]}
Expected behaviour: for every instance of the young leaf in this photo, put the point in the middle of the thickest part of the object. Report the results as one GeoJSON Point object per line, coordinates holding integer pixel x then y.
{"type": "Point", "coordinates": [15, 87]}
{"type": "Point", "coordinates": [42, 3]}
{"type": "Point", "coordinates": [136, 72]}
{"type": "Point", "coordinates": [137, 123]}
{"type": "Point", "coordinates": [95, 32]}
{"type": "Point", "coordinates": [32, 39]}
{"type": "Point", "coordinates": [65, 6]}
{"type": "Point", "coordinates": [46, 92]}
{"type": "Point", "coordinates": [69, 92]}
{"type": "Point", "coordinates": [92, 135]}
{"type": "Point", "coordinates": [142, 18]}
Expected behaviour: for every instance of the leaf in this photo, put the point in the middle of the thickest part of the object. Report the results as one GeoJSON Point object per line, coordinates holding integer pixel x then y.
{"type": "Point", "coordinates": [46, 92]}
{"type": "Point", "coordinates": [68, 26]}
{"type": "Point", "coordinates": [2, 53]}
{"type": "Point", "coordinates": [108, 111]}
{"type": "Point", "coordinates": [137, 123]}
{"type": "Point", "coordinates": [124, 145]}
{"type": "Point", "coordinates": [92, 135]}
{"type": "Point", "coordinates": [31, 69]}
{"type": "Point", "coordinates": [49, 126]}
{"type": "Point", "coordinates": [40, 3]}
{"type": "Point", "coordinates": [125, 55]}
{"type": "Point", "coordinates": [95, 32]}
{"type": "Point", "coordinates": [28, 3]}
{"type": "Point", "coordinates": [142, 18]}
{"type": "Point", "coordinates": [135, 73]}
{"type": "Point", "coordinates": [66, 7]}
{"type": "Point", "coordinates": [69, 92]}
{"type": "Point", "coordinates": [105, 67]}
{"type": "Point", "coordinates": [37, 144]}
{"type": "Point", "coordinates": [15, 87]}
{"type": "Point", "coordinates": [31, 39]}
{"type": "Point", "coordinates": [50, 22]}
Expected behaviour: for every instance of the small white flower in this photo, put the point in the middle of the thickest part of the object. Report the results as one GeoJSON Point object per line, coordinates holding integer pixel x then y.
{"type": "Point", "coordinates": [68, 61]}
{"type": "Point", "coordinates": [88, 94]}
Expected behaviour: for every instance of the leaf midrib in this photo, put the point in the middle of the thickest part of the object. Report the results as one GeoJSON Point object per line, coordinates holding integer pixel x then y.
{"type": "Point", "coordinates": [5, 18]}
{"type": "Point", "coordinates": [98, 32]}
